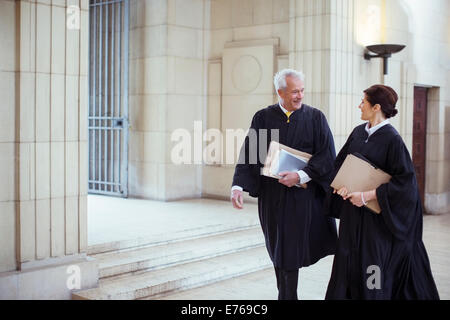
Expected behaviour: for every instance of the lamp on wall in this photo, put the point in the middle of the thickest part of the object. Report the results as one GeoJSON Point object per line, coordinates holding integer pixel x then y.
{"type": "Point", "coordinates": [384, 51]}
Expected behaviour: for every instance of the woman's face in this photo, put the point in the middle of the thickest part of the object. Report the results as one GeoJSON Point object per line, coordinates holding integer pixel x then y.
{"type": "Point", "coordinates": [367, 112]}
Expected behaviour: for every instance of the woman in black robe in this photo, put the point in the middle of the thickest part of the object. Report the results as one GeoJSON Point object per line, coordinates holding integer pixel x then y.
{"type": "Point", "coordinates": [380, 256]}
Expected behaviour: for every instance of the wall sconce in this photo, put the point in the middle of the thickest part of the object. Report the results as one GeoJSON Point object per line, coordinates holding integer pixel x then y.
{"type": "Point", "coordinates": [384, 51]}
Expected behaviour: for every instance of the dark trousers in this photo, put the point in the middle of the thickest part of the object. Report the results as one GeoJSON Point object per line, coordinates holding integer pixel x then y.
{"type": "Point", "coordinates": [287, 281]}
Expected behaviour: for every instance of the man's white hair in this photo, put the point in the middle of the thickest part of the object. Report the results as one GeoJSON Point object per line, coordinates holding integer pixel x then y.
{"type": "Point", "coordinates": [280, 78]}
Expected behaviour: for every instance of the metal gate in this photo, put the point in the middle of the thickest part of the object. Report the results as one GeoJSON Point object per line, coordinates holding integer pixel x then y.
{"type": "Point", "coordinates": [108, 97]}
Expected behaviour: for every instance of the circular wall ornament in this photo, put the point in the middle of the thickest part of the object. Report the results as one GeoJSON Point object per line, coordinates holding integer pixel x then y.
{"type": "Point", "coordinates": [246, 74]}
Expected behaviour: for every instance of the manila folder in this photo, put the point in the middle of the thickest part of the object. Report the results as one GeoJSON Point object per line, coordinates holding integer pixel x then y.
{"type": "Point", "coordinates": [272, 159]}
{"type": "Point", "coordinates": [357, 174]}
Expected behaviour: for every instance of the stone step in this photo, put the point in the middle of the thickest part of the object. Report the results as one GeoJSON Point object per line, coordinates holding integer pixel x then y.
{"type": "Point", "coordinates": [156, 257]}
{"type": "Point", "coordinates": [180, 277]}
{"type": "Point", "coordinates": [165, 238]}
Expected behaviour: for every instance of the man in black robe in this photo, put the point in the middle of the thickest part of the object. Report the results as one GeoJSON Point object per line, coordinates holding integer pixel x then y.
{"type": "Point", "coordinates": [297, 233]}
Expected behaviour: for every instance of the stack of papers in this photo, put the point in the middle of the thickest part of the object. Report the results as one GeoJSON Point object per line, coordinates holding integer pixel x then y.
{"type": "Point", "coordinates": [283, 158]}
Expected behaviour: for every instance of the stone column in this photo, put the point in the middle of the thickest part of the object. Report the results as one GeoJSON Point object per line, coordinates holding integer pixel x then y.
{"type": "Point", "coordinates": [45, 149]}
{"type": "Point", "coordinates": [167, 92]}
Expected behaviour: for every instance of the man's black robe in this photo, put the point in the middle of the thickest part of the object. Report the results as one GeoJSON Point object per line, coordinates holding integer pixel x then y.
{"type": "Point", "coordinates": [392, 240]}
{"type": "Point", "coordinates": [297, 233]}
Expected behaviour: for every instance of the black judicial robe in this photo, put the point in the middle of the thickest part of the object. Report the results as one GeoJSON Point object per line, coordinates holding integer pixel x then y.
{"type": "Point", "coordinates": [297, 232]}
{"type": "Point", "coordinates": [391, 240]}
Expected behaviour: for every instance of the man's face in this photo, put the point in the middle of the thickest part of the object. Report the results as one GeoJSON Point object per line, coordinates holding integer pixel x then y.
{"type": "Point", "coordinates": [293, 94]}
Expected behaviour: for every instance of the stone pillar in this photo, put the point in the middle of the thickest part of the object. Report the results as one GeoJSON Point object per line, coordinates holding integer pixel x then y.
{"type": "Point", "coordinates": [44, 212]}
{"type": "Point", "coordinates": [167, 92]}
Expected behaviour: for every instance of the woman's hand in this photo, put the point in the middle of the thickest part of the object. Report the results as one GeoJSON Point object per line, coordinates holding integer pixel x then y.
{"type": "Point", "coordinates": [342, 192]}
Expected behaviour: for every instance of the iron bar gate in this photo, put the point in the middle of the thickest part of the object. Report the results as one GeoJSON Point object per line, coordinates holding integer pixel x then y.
{"type": "Point", "coordinates": [108, 97]}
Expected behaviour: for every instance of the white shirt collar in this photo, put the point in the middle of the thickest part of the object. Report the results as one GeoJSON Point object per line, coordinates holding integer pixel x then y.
{"type": "Point", "coordinates": [372, 130]}
{"type": "Point", "coordinates": [282, 109]}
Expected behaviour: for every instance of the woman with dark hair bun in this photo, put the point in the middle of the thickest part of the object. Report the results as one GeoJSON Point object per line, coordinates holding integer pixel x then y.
{"type": "Point", "coordinates": [380, 256]}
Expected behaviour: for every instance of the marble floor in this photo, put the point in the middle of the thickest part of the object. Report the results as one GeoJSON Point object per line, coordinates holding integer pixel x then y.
{"type": "Point", "coordinates": [116, 219]}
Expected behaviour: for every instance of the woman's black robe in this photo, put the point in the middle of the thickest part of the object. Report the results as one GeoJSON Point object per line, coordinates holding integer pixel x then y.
{"type": "Point", "coordinates": [391, 240]}
{"type": "Point", "coordinates": [297, 233]}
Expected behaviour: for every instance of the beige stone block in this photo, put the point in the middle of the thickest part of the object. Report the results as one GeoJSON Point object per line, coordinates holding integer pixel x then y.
{"type": "Point", "coordinates": [27, 107]}
{"type": "Point", "coordinates": [252, 32]}
{"type": "Point", "coordinates": [153, 12]}
{"type": "Point", "coordinates": [135, 145]}
{"type": "Point", "coordinates": [43, 34]}
{"type": "Point", "coordinates": [221, 14]}
{"type": "Point", "coordinates": [72, 108]}
{"type": "Point", "coordinates": [42, 170]}
{"type": "Point", "coordinates": [177, 13]}
{"type": "Point", "coordinates": [27, 165]}
{"type": "Point", "coordinates": [435, 147]}
{"type": "Point", "coordinates": [57, 168]}
{"type": "Point", "coordinates": [187, 108]}
{"type": "Point", "coordinates": [84, 169]}
{"type": "Point", "coordinates": [147, 112]}
{"type": "Point", "coordinates": [83, 108]}
{"type": "Point", "coordinates": [72, 52]}
{"type": "Point", "coordinates": [435, 177]}
{"type": "Point", "coordinates": [185, 42]}
{"type": "Point", "coordinates": [27, 40]}
{"type": "Point", "coordinates": [57, 108]}
{"type": "Point", "coordinates": [435, 118]}
{"type": "Point", "coordinates": [27, 220]}
{"type": "Point", "coordinates": [217, 181]}
{"type": "Point", "coordinates": [71, 169]}
{"type": "Point", "coordinates": [58, 41]}
{"type": "Point", "coordinates": [189, 76]}
{"type": "Point", "coordinates": [7, 172]}
{"type": "Point", "coordinates": [214, 112]}
{"type": "Point", "coordinates": [151, 76]}
{"type": "Point", "coordinates": [248, 70]}
{"type": "Point", "coordinates": [218, 38]}
{"type": "Point", "coordinates": [61, 3]}
{"type": "Point", "coordinates": [8, 35]}
{"type": "Point", "coordinates": [42, 107]}
{"type": "Point", "coordinates": [7, 107]}
{"type": "Point", "coordinates": [262, 13]}
{"type": "Point", "coordinates": [242, 13]}
{"type": "Point", "coordinates": [214, 78]}
{"type": "Point", "coordinates": [43, 229]}
{"type": "Point", "coordinates": [7, 236]}
{"type": "Point", "coordinates": [57, 227]}
{"type": "Point", "coordinates": [155, 141]}
{"type": "Point", "coordinates": [145, 180]}
{"type": "Point", "coordinates": [182, 181]}
{"type": "Point", "coordinates": [280, 11]}
{"type": "Point", "coordinates": [84, 43]}
{"type": "Point", "coordinates": [71, 226]}
{"type": "Point", "coordinates": [83, 224]}
{"type": "Point", "coordinates": [245, 107]}
{"type": "Point", "coordinates": [281, 31]}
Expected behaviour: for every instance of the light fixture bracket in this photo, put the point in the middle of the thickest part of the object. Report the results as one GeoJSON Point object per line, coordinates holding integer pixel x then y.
{"type": "Point", "coordinates": [384, 51]}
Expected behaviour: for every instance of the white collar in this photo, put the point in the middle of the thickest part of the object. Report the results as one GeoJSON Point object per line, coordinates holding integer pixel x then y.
{"type": "Point", "coordinates": [282, 109]}
{"type": "Point", "coordinates": [372, 130]}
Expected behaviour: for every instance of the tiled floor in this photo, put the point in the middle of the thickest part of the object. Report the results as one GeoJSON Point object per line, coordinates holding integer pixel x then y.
{"type": "Point", "coordinates": [113, 219]}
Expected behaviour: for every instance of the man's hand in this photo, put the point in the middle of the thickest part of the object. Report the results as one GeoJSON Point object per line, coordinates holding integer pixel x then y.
{"type": "Point", "coordinates": [289, 179]}
{"type": "Point", "coordinates": [237, 199]}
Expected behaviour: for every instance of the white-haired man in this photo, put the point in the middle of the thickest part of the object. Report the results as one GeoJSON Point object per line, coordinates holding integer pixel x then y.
{"type": "Point", "coordinates": [297, 233]}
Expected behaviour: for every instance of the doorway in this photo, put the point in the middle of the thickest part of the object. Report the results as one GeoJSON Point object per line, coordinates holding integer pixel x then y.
{"type": "Point", "coordinates": [419, 137]}
{"type": "Point", "coordinates": [108, 97]}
